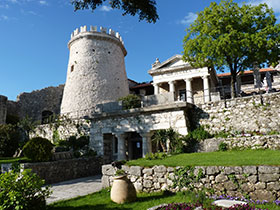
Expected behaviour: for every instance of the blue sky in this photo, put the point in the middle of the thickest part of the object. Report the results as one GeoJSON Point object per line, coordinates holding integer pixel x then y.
{"type": "Point", "coordinates": [34, 36]}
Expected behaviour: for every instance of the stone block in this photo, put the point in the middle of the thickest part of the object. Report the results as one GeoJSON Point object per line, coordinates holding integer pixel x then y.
{"type": "Point", "coordinates": [170, 169]}
{"type": "Point", "coordinates": [273, 186]}
{"type": "Point", "coordinates": [138, 186]}
{"type": "Point", "coordinates": [105, 182]}
{"type": "Point", "coordinates": [268, 169]}
{"type": "Point", "coordinates": [260, 185]}
{"type": "Point", "coordinates": [147, 183]}
{"type": "Point", "coordinates": [268, 177]}
{"type": "Point", "coordinates": [221, 178]}
{"type": "Point", "coordinates": [233, 170]}
{"type": "Point", "coordinates": [252, 179]}
{"type": "Point", "coordinates": [230, 185]}
{"type": "Point", "coordinates": [250, 170]}
{"type": "Point", "coordinates": [135, 170]}
{"type": "Point", "coordinates": [212, 170]}
{"type": "Point", "coordinates": [162, 180]}
{"type": "Point", "coordinates": [262, 195]}
{"type": "Point", "coordinates": [157, 185]}
{"type": "Point", "coordinates": [247, 187]}
{"type": "Point", "coordinates": [148, 171]}
{"type": "Point", "coordinates": [159, 169]}
{"type": "Point", "coordinates": [108, 170]}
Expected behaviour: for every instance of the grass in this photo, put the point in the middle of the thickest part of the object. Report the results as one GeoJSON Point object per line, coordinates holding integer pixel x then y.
{"type": "Point", "coordinates": [101, 201]}
{"type": "Point", "coordinates": [12, 160]}
{"type": "Point", "coordinates": [228, 158]}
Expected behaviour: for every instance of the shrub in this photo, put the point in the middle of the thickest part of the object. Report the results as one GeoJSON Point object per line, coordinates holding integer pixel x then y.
{"type": "Point", "coordinates": [22, 191]}
{"type": "Point", "coordinates": [130, 101]}
{"type": "Point", "coordinates": [199, 134]}
{"type": "Point", "coordinates": [9, 140]}
{"type": "Point", "coordinates": [223, 146]}
{"type": "Point", "coordinates": [38, 149]}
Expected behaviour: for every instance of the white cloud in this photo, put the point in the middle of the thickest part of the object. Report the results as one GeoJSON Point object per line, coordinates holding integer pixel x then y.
{"type": "Point", "coordinates": [4, 17]}
{"type": "Point", "coordinates": [105, 8]}
{"type": "Point", "coordinates": [5, 6]}
{"type": "Point", "coordinates": [188, 19]}
{"type": "Point", "coordinates": [274, 4]}
{"type": "Point", "coordinates": [42, 2]}
{"type": "Point", "coordinates": [13, 1]}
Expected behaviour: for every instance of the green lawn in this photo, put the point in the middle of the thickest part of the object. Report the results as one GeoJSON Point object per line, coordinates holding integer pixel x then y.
{"type": "Point", "coordinates": [101, 201]}
{"type": "Point", "coordinates": [11, 159]}
{"type": "Point", "coordinates": [228, 158]}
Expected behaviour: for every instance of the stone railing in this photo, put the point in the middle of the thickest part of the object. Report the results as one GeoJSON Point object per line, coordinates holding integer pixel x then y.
{"type": "Point", "coordinates": [258, 182]}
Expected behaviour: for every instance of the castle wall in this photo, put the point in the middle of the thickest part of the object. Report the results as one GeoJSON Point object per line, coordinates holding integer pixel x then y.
{"type": "Point", "coordinates": [245, 114]}
{"type": "Point", "coordinates": [34, 103]}
{"type": "Point", "coordinates": [3, 109]}
{"type": "Point", "coordinates": [96, 70]}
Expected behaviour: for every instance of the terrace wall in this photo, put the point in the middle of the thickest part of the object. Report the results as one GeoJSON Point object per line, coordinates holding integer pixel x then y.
{"type": "Point", "coordinates": [259, 182]}
{"type": "Point", "coordinates": [247, 114]}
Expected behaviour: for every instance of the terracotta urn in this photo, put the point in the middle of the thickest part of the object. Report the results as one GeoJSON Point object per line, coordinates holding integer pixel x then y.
{"type": "Point", "coordinates": [122, 190]}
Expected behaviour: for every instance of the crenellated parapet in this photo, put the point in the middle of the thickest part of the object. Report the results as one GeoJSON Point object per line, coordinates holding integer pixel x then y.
{"type": "Point", "coordinates": [101, 33]}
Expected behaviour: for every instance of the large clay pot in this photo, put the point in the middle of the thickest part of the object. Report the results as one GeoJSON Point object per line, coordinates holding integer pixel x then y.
{"type": "Point", "coordinates": [122, 190]}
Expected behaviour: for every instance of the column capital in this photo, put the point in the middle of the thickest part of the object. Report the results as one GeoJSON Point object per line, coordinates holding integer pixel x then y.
{"type": "Point", "coordinates": [188, 79]}
{"type": "Point", "coordinates": [171, 82]}
{"type": "Point", "coordinates": [144, 134]}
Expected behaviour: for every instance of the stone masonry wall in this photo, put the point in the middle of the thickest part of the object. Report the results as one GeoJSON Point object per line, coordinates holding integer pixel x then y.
{"type": "Point", "coordinates": [240, 114]}
{"type": "Point", "coordinates": [62, 170]}
{"type": "Point", "coordinates": [249, 142]}
{"type": "Point", "coordinates": [3, 109]}
{"type": "Point", "coordinates": [34, 103]}
{"type": "Point", "coordinates": [64, 129]}
{"type": "Point", "coordinates": [259, 182]}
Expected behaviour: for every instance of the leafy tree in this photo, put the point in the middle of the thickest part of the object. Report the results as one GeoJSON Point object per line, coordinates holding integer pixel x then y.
{"type": "Point", "coordinates": [233, 36]}
{"type": "Point", "coordinates": [146, 9]}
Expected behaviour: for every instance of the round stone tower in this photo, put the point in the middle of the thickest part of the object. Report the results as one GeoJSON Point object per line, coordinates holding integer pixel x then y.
{"type": "Point", "coordinates": [96, 70]}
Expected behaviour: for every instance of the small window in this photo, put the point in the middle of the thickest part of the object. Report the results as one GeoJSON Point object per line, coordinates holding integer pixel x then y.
{"type": "Point", "coordinates": [109, 52]}
{"type": "Point", "coordinates": [72, 68]}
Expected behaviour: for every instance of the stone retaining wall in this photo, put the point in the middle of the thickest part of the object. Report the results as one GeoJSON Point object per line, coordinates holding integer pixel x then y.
{"type": "Point", "coordinates": [240, 114]}
{"type": "Point", "coordinates": [249, 142]}
{"type": "Point", "coordinates": [259, 182]}
{"type": "Point", "coordinates": [62, 170]}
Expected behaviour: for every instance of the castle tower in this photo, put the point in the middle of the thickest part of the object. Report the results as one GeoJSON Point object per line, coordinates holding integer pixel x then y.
{"type": "Point", "coordinates": [96, 70]}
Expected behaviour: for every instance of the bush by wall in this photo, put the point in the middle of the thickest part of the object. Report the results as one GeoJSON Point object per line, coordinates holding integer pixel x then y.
{"type": "Point", "coordinates": [22, 191]}
{"type": "Point", "coordinates": [38, 149]}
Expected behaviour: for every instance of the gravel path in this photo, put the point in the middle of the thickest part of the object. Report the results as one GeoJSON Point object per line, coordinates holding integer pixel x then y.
{"type": "Point", "coordinates": [74, 188]}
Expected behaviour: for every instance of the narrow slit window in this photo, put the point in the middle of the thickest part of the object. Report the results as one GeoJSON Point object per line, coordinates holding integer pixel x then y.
{"type": "Point", "coordinates": [72, 68]}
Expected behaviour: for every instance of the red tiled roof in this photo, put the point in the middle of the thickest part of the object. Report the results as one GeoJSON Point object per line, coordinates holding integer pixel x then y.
{"type": "Point", "coordinates": [246, 72]}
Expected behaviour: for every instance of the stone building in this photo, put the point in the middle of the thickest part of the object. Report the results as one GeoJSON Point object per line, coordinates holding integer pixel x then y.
{"type": "Point", "coordinates": [96, 78]}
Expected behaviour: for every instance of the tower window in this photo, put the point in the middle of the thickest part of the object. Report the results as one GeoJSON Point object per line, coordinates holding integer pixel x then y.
{"type": "Point", "coordinates": [109, 52]}
{"type": "Point", "coordinates": [72, 68]}
{"type": "Point", "coordinates": [93, 50]}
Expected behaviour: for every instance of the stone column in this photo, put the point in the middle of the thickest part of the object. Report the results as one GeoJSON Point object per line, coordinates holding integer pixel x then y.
{"type": "Point", "coordinates": [146, 143]}
{"type": "Point", "coordinates": [189, 94]}
{"type": "Point", "coordinates": [156, 88]}
{"type": "Point", "coordinates": [206, 88]}
{"type": "Point", "coordinates": [171, 86]}
{"type": "Point", "coordinates": [121, 146]}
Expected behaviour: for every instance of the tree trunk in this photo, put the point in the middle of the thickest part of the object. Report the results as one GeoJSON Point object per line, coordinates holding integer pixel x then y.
{"type": "Point", "coordinates": [232, 84]}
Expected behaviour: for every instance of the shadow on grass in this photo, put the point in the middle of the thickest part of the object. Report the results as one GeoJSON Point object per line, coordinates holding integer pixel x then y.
{"type": "Point", "coordinates": [89, 207]}
{"type": "Point", "coordinates": [111, 205]}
